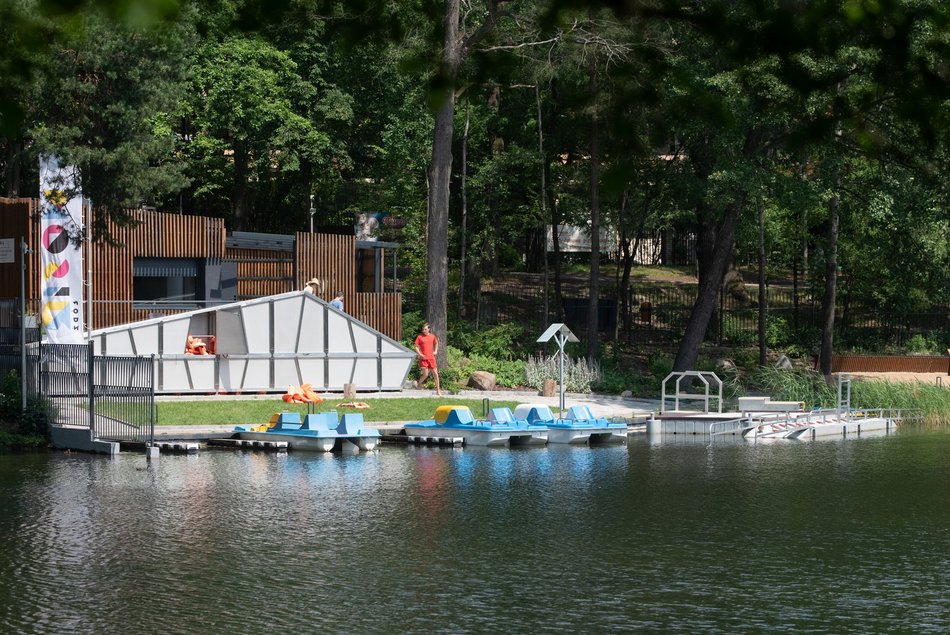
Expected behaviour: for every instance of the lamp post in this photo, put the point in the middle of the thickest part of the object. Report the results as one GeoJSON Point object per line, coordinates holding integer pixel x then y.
{"type": "Point", "coordinates": [313, 211]}
{"type": "Point", "coordinates": [562, 335]}
{"type": "Point", "coordinates": [24, 250]}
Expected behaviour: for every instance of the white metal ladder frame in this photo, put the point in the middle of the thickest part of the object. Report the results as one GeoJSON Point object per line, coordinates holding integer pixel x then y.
{"type": "Point", "coordinates": [702, 375]}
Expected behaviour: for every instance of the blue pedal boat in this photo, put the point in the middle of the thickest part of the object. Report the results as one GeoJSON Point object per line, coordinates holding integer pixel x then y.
{"type": "Point", "coordinates": [457, 422]}
{"type": "Point", "coordinates": [321, 432]}
{"type": "Point", "coordinates": [578, 426]}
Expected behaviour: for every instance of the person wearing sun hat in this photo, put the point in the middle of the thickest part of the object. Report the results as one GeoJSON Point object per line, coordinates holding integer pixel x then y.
{"type": "Point", "coordinates": [314, 286]}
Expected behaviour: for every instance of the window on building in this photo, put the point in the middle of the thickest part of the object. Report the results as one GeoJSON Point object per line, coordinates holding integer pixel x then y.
{"type": "Point", "coordinates": [168, 281]}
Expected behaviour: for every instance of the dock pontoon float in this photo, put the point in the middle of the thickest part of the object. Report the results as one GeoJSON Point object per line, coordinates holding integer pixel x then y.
{"type": "Point", "coordinates": [320, 432]}
{"type": "Point", "coordinates": [457, 422]}
{"type": "Point", "coordinates": [579, 426]}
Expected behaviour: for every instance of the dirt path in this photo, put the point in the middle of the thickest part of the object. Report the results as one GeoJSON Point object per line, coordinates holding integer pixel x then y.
{"type": "Point", "coordinates": [942, 379]}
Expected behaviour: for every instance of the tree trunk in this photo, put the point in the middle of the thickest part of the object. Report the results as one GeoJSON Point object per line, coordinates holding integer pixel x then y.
{"type": "Point", "coordinates": [763, 349]}
{"type": "Point", "coordinates": [706, 245]}
{"type": "Point", "coordinates": [556, 244]}
{"type": "Point", "coordinates": [440, 174]}
{"type": "Point", "coordinates": [242, 195]}
{"type": "Point", "coordinates": [718, 253]}
{"type": "Point", "coordinates": [464, 216]}
{"type": "Point", "coordinates": [698, 321]}
{"type": "Point", "coordinates": [593, 335]}
{"type": "Point", "coordinates": [831, 282]}
{"type": "Point", "coordinates": [13, 166]}
{"type": "Point", "coordinates": [544, 209]}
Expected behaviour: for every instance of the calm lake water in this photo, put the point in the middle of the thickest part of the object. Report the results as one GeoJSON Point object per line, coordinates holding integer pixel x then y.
{"type": "Point", "coordinates": [829, 536]}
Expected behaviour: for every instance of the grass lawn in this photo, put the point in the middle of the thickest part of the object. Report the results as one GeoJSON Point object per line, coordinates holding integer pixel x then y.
{"type": "Point", "coordinates": [235, 411]}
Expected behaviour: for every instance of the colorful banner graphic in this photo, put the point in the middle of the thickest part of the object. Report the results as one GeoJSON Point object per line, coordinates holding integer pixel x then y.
{"type": "Point", "coordinates": [61, 310]}
{"type": "Point", "coordinates": [366, 224]}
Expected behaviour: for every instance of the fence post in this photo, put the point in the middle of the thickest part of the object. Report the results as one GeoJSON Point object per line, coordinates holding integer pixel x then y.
{"type": "Point", "coordinates": [151, 397]}
{"type": "Point", "coordinates": [90, 382]}
{"type": "Point", "coordinates": [722, 308]}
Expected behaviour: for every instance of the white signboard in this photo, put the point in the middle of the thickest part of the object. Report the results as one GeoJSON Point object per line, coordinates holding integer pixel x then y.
{"type": "Point", "coordinates": [7, 250]}
{"type": "Point", "coordinates": [61, 309]}
{"type": "Point", "coordinates": [574, 238]}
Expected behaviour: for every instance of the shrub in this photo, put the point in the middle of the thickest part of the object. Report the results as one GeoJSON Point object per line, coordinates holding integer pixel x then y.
{"type": "Point", "coordinates": [579, 375]}
{"type": "Point", "coordinates": [500, 341]}
{"type": "Point", "coordinates": [38, 416]}
{"type": "Point", "coordinates": [660, 366]}
{"type": "Point", "coordinates": [926, 344]}
{"type": "Point", "coordinates": [777, 331]}
{"type": "Point", "coordinates": [508, 373]}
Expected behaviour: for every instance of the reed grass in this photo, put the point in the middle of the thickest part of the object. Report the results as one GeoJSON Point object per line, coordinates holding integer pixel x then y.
{"type": "Point", "coordinates": [931, 403]}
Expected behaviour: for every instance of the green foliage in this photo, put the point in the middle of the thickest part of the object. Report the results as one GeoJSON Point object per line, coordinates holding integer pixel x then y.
{"type": "Point", "coordinates": [660, 364]}
{"type": "Point", "coordinates": [40, 412]}
{"type": "Point", "coordinates": [735, 333]}
{"type": "Point", "coordinates": [614, 379]}
{"type": "Point", "coordinates": [454, 374]}
{"type": "Point", "coordinates": [579, 374]}
{"type": "Point", "coordinates": [930, 343]}
{"type": "Point", "coordinates": [777, 331]}
{"type": "Point", "coordinates": [928, 401]}
{"type": "Point", "coordinates": [745, 359]}
{"type": "Point", "coordinates": [247, 108]}
{"type": "Point", "coordinates": [459, 366]}
{"type": "Point", "coordinates": [103, 108]}
{"type": "Point", "coordinates": [10, 440]}
{"type": "Point", "coordinates": [793, 385]}
{"type": "Point", "coordinates": [500, 341]}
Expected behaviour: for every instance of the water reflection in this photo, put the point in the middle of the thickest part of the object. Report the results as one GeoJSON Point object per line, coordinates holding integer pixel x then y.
{"type": "Point", "coordinates": [684, 537]}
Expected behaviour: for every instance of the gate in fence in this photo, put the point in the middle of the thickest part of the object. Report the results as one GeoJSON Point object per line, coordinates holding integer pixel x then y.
{"type": "Point", "coordinates": [112, 396]}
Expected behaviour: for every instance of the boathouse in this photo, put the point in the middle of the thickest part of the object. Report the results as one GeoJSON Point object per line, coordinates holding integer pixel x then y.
{"type": "Point", "coordinates": [163, 264]}
{"type": "Point", "coordinates": [165, 280]}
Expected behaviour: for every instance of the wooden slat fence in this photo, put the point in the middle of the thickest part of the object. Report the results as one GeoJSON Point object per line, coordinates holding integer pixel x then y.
{"type": "Point", "coordinates": [263, 272]}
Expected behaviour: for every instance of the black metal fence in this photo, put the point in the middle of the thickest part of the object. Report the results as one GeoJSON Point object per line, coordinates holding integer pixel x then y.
{"type": "Point", "coordinates": [659, 313]}
{"type": "Point", "coordinates": [114, 397]}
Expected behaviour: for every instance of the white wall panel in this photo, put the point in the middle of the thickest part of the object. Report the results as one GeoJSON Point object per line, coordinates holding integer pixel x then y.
{"type": "Point", "coordinates": [340, 372]}
{"type": "Point", "coordinates": [201, 371]}
{"type": "Point", "coordinates": [230, 373]}
{"type": "Point", "coordinates": [230, 337]}
{"type": "Point", "coordinates": [258, 374]}
{"type": "Point", "coordinates": [287, 314]}
{"type": "Point", "coordinates": [286, 374]}
{"type": "Point", "coordinates": [258, 327]}
{"type": "Point", "coordinates": [174, 336]}
{"type": "Point", "coordinates": [146, 339]}
{"type": "Point", "coordinates": [312, 372]}
{"type": "Point", "coordinates": [365, 373]}
{"type": "Point", "coordinates": [174, 375]}
{"type": "Point", "coordinates": [303, 334]}
{"type": "Point", "coordinates": [120, 343]}
{"type": "Point", "coordinates": [365, 338]}
{"type": "Point", "coordinates": [339, 331]}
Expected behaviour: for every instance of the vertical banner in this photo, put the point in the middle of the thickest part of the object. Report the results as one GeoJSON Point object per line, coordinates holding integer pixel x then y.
{"type": "Point", "coordinates": [61, 309]}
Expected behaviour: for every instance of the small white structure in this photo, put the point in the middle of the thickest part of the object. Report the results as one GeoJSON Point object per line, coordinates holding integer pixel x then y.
{"type": "Point", "coordinates": [263, 344]}
{"type": "Point", "coordinates": [562, 335]}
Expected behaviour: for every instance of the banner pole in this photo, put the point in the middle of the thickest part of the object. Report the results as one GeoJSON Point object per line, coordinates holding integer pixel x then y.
{"type": "Point", "coordinates": [23, 252]}
{"type": "Point", "coordinates": [88, 236]}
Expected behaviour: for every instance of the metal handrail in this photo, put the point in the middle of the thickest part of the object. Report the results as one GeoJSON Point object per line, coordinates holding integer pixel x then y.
{"type": "Point", "coordinates": [679, 394]}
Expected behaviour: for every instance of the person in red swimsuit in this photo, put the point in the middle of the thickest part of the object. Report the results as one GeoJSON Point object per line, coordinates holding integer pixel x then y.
{"type": "Point", "coordinates": [427, 347]}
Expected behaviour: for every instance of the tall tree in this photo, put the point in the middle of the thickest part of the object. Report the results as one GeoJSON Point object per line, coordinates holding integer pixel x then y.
{"type": "Point", "coordinates": [459, 39]}
{"type": "Point", "coordinates": [107, 109]}
{"type": "Point", "coordinates": [248, 128]}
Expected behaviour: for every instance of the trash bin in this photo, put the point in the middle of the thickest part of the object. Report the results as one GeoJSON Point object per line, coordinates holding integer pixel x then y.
{"type": "Point", "coordinates": [646, 312]}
